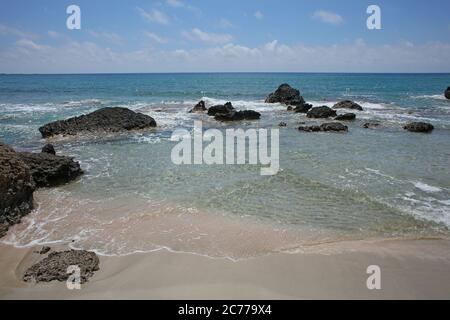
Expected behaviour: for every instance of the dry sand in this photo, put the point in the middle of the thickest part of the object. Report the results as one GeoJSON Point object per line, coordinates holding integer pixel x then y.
{"type": "Point", "coordinates": [410, 269]}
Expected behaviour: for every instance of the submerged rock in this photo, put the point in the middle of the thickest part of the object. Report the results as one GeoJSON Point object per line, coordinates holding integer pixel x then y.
{"type": "Point", "coordinates": [48, 148]}
{"type": "Point", "coordinates": [107, 120]}
{"type": "Point", "coordinates": [55, 266]}
{"type": "Point", "coordinates": [16, 188]}
{"type": "Point", "coordinates": [419, 127]}
{"type": "Point", "coordinates": [49, 170]}
{"type": "Point", "coordinates": [447, 93]}
{"type": "Point", "coordinates": [282, 124]}
{"type": "Point", "coordinates": [287, 95]}
{"type": "Point", "coordinates": [346, 117]}
{"type": "Point", "coordinates": [238, 116]}
{"type": "Point", "coordinates": [223, 109]}
{"type": "Point", "coordinates": [371, 125]}
{"type": "Point", "coordinates": [347, 104]}
{"type": "Point", "coordinates": [332, 126]}
{"type": "Point", "coordinates": [321, 112]}
{"type": "Point", "coordinates": [199, 107]}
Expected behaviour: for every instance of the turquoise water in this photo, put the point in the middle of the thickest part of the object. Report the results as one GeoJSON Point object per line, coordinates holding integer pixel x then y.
{"type": "Point", "coordinates": [384, 183]}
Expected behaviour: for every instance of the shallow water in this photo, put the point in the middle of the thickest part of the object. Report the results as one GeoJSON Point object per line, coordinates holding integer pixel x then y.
{"type": "Point", "coordinates": [384, 183]}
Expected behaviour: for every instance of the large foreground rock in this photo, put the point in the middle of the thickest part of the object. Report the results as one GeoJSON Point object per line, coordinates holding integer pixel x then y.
{"type": "Point", "coordinates": [447, 93]}
{"type": "Point", "coordinates": [16, 188]}
{"type": "Point", "coordinates": [49, 170]}
{"type": "Point", "coordinates": [332, 126]}
{"type": "Point", "coordinates": [419, 127]}
{"type": "Point", "coordinates": [287, 95]}
{"type": "Point", "coordinates": [321, 112]}
{"type": "Point", "coordinates": [107, 120]}
{"type": "Point", "coordinates": [54, 267]}
{"type": "Point", "coordinates": [238, 116]}
{"type": "Point", "coordinates": [220, 109]}
{"type": "Point", "coordinates": [199, 107]}
{"type": "Point", "coordinates": [347, 104]}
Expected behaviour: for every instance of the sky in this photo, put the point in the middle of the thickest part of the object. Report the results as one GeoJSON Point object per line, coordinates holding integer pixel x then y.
{"type": "Point", "coordinates": [224, 36]}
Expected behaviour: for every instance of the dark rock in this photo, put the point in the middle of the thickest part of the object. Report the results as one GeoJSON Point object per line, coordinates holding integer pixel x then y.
{"type": "Point", "coordinates": [346, 117]}
{"type": "Point", "coordinates": [333, 126]}
{"type": "Point", "coordinates": [238, 116]}
{"type": "Point", "coordinates": [371, 125]}
{"type": "Point", "coordinates": [49, 170]}
{"type": "Point", "coordinates": [48, 148]}
{"type": "Point", "coordinates": [45, 250]}
{"type": "Point", "coordinates": [223, 109]}
{"type": "Point", "coordinates": [321, 112]}
{"type": "Point", "coordinates": [287, 95]}
{"type": "Point", "coordinates": [347, 104]}
{"type": "Point", "coordinates": [282, 124]}
{"type": "Point", "coordinates": [54, 267]}
{"type": "Point", "coordinates": [16, 188]}
{"type": "Point", "coordinates": [104, 120]}
{"type": "Point", "coordinates": [303, 108]}
{"type": "Point", "coordinates": [419, 127]}
{"type": "Point", "coordinates": [290, 108]}
{"type": "Point", "coordinates": [199, 107]}
{"type": "Point", "coordinates": [447, 93]}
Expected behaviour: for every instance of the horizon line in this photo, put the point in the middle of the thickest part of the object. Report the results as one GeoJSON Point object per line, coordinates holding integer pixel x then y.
{"type": "Point", "coordinates": [218, 72]}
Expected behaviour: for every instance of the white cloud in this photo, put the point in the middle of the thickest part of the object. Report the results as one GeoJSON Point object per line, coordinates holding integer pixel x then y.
{"type": "Point", "coordinates": [154, 16]}
{"type": "Point", "coordinates": [156, 38]}
{"type": "Point", "coordinates": [110, 37]}
{"type": "Point", "coordinates": [211, 38]}
{"type": "Point", "coordinates": [327, 17]}
{"type": "Point", "coordinates": [6, 30]}
{"type": "Point", "coordinates": [259, 15]}
{"type": "Point", "coordinates": [27, 56]}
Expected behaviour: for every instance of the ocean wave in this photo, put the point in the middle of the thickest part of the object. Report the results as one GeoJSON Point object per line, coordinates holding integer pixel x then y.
{"type": "Point", "coordinates": [426, 188]}
{"type": "Point", "coordinates": [432, 96]}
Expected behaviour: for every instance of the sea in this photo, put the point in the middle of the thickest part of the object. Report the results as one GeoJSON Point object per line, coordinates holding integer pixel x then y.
{"type": "Point", "coordinates": [365, 185]}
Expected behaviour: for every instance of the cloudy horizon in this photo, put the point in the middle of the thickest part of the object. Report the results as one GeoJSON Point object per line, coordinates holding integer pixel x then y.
{"type": "Point", "coordinates": [197, 36]}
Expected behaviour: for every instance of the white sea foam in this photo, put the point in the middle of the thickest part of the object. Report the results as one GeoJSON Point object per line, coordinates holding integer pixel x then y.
{"type": "Point", "coordinates": [425, 187]}
{"type": "Point", "coordinates": [432, 96]}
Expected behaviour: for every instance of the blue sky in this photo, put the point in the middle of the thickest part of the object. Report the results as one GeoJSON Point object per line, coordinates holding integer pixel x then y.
{"type": "Point", "coordinates": [216, 35]}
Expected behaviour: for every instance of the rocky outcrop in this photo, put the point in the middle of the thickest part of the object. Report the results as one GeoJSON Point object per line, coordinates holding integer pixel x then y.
{"type": "Point", "coordinates": [347, 104]}
{"type": "Point", "coordinates": [55, 266]}
{"type": "Point", "coordinates": [287, 95]}
{"type": "Point", "coordinates": [238, 115]}
{"type": "Point", "coordinates": [16, 188]}
{"type": "Point", "coordinates": [199, 107]}
{"type": "Point", "coordinates": [103, 120]}
{"type": "Point", "coordinates": [303, 108]}
{"type": "Point", "coordinates": [49, 148]}
{"type": "Point", "coordinates": [346, 117]}
{"type": "Point", "coordinates": [321, 112]}
{"type": "Point", "coordinates": [223, 109]}
{"type": "Point", "coordinates": [419, 127]}
{"type": "Point", "coordinates": [447, 93]}
{"type": "Point", "coordinates": [49, 170]}
{"type": "Point", "coordinates": [332, 126]}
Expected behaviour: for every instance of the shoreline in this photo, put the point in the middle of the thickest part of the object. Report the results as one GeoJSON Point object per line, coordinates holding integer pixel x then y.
{"type": "Point", "coordinates": [410, 269]}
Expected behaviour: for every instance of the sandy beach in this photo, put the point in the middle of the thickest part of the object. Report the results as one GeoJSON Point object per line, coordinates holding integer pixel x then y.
{"type": "Point", "coordinates": [410, 269]}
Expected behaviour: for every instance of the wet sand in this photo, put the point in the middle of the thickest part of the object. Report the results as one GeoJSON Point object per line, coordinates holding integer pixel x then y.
{"type": "Point", "coordinates": [410, 269]}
